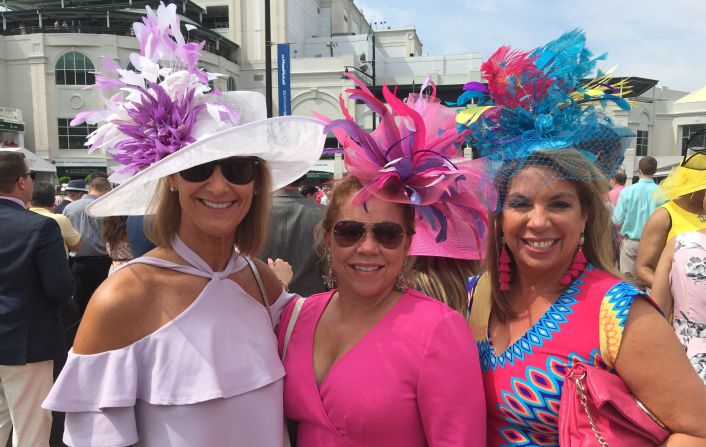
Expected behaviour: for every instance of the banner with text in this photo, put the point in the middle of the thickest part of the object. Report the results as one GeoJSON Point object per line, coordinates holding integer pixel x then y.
{"type": "Point", "coordinates": [283, 85]}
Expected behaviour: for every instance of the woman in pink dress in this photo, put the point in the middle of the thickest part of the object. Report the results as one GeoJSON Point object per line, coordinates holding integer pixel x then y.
{"type": "Point", "coordinates": [551, 297]}
{"type": "Point", "coordinates": [372, 363]}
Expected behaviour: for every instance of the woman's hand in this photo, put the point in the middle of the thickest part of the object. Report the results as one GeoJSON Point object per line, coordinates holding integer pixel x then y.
{"type": "Point", "coordinates": [282, 270]}
{"type": "Point", "coordinates": [655, 368]}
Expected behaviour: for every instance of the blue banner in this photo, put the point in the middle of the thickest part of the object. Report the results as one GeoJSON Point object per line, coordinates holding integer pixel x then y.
{"type": "Point", "coordinates": [283, 85]}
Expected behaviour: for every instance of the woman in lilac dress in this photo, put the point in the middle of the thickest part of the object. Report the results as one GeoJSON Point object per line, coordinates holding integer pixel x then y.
{"type": "Point", "coordinates": [177, 347]}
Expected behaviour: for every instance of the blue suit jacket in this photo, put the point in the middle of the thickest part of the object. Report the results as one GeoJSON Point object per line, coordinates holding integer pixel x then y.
{"type": "Point", "coordinates": [35, 281]}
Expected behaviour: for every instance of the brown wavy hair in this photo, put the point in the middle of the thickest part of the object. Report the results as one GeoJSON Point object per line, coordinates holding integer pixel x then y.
{"type": "Point", "coordinates": [114, 230]}
{"type": "Point", "coordinates": [591, 189]}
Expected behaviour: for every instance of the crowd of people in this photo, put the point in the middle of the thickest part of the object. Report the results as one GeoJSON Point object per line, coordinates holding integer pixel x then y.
{"type": "Point", "coordinates": [423, 300]}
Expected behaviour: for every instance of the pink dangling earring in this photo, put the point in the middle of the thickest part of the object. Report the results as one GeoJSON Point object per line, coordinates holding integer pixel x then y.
{"type": "Point", "coordinates": [504, 268]}
{"type": "Point", "coordinates": [577, 265]}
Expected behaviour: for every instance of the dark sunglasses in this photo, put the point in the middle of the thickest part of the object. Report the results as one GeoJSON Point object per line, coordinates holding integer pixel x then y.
{"type": "Point", "coordinates": [237, 170]}
{"type": "Point", "coordinates": [388, 234]}
{"type": "Point", "coordinates": [31, 174]}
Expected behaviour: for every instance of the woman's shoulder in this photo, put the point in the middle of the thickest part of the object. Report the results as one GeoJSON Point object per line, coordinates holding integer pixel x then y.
{"type": "Point", "coordinates": [126, 307]}
{"type": "Point", "coordinates": [425, 307]}
{"type": "Point", "coordinates": [690, 239]}
{"type": "Point", "coordinates": [596, 277]}
{"type": "Point", "coordinates": [309, 303]}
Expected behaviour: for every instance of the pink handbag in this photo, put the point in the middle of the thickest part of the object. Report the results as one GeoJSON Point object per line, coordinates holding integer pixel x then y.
{"type": "Point", "coordinates": [597, 409]}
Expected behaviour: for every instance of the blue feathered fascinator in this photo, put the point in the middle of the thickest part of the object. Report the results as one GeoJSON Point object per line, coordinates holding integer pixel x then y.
{"type": "Point", "coordinates": [538, 101]}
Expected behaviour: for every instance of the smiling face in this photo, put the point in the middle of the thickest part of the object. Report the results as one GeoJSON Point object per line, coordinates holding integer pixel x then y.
{"type": "Point", "coordinates": [542, 222]}
{"type": "Point", "coordinates": [367, 269]}
{"type": "Point", "coordinates": [211, 209]}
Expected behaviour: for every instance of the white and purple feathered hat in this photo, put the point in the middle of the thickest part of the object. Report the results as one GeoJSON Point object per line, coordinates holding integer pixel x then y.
{"type": "Point", "coordinates": [165, 119]}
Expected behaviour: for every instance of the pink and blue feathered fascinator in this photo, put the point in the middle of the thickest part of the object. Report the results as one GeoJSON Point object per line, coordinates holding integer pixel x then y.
{"type": "Point", "coordinates": [161, 119]}
{"type": "Point", "coordinates": [539, 100]}
{"type": "Point", "coordinates": [408, 160]}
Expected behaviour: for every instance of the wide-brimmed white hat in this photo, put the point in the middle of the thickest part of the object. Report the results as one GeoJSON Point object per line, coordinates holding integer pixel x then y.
{"type": "Point", "coordinates": [163, 119]}
{"type": "Point", "coordinates": [290, 145]}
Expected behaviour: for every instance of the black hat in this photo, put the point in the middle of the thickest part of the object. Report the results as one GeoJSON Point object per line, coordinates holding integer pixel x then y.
{"type": "Point", "coordinates": [76, 185]}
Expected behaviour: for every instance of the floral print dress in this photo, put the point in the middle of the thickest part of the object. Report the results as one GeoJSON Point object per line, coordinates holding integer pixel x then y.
{"type": "Point", "coordinates": [688, 285]}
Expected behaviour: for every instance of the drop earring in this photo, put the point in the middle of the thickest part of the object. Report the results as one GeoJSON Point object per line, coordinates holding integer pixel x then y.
{"type": "Point", "coordinates": [504, 267]}
{"type": "Point", "coordinates": [578, 264]}
{"type": "Point", "coordinates": [331, 276]}
{"type": "Point", "coordinates": [401, 283]}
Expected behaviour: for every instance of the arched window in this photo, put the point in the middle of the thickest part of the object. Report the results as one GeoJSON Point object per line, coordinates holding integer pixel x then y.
{"type": "Point", "coordinates": [231, 84]}
{"type": "Point", "coordinates": [73, 137]}
{"type": "Point", "coordinates": [74, 68]}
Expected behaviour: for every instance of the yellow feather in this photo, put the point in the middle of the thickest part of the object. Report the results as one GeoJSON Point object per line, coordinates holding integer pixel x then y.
{"type": "Point", "coordinates": [471, 114]}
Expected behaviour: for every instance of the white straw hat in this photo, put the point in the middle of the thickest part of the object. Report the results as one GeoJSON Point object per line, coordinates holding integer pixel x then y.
{"type": "Point", "coordinates": [290, 145]}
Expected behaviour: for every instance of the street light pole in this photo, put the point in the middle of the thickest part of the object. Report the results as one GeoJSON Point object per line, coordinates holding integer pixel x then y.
{"type": "Point", "coordinates": [375, 118]}
{"type": "Point", "coordinates": [370, 77]}
{"type": "Point", "coordinates": [268, 60]}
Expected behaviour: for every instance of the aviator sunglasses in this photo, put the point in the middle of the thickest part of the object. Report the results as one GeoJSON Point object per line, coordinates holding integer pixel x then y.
{"type": "Point", "coordinates": [388, 234]}
{"type": "Point", "coordinates": [237, 170]}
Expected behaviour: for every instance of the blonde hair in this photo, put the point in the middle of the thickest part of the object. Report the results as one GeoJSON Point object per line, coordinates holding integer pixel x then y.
{"type": "Point", "coordinates": [164, 215]}
{"type": "Point", "coordinates": [444, 279]}
{"type": "Point", "coordinates": [591, 188]}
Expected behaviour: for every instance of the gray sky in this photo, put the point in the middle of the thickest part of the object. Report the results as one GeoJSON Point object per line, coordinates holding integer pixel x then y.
{"type": "Point", "coordinates": [663, 40]}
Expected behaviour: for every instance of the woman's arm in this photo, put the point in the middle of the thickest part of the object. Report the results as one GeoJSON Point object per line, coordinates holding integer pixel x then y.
{"type": "Point", "coordinates": [655, 368]}
{"type": "Point", "coordinates": [450, 387]}
{"type": "Point", "coordinates": [654, 236]}
{"type": "Point", "coordinates": [661, 291]}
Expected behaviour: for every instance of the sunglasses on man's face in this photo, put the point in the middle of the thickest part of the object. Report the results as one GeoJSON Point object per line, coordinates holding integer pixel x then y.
{"type": "Point", "coordinates": [347, 233]}
{"type": "Point", "coordinates": [31, 175]}
{"type": "Point", "coordinates": [237, 170]}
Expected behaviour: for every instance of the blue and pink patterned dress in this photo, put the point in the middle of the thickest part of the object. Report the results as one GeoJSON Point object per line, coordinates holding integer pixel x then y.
{"type": "Point", "coordinates": [523, 384]}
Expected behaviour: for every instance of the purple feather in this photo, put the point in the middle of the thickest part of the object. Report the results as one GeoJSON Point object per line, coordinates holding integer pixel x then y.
{"type": "Point", "coordinates": [159, 128]}
{"type": "Point", "coordinates": [476, 86]}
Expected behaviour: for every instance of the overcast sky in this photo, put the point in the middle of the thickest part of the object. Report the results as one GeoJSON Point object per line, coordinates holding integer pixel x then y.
{"type": "Point", "coordinates": [663, 40]}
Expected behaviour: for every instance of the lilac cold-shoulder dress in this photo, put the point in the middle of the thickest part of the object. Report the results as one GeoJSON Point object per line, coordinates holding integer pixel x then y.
{"type": "Point", "coordinates": [209, 377]}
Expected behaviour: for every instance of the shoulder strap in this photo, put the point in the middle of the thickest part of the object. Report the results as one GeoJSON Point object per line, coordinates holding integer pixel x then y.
{"type": "Point", "coordinates": [292, 320]}
{"type": "Point", "coordinates": [481, 303]}
{"type": "Point", "coordinates": [258, 278]}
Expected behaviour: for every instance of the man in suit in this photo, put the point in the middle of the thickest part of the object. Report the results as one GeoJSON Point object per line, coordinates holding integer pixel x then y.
{"type": "Point", "coordinates": [34, 283]}
{"type": "Point", "coordinates": [291, 238]}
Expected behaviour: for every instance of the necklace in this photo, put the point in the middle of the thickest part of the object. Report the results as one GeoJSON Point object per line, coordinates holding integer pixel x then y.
{"type": "Point", "coordinates": [689, 206]}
